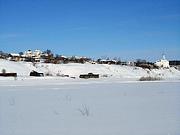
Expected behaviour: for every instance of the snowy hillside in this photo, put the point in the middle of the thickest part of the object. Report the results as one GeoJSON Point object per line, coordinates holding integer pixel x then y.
{"type": "Point", "coordinates": [74, 70]}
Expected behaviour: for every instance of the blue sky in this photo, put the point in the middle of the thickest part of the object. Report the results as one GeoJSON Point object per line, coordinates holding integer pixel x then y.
{"type": "Point", "coordinates": [128, 29]}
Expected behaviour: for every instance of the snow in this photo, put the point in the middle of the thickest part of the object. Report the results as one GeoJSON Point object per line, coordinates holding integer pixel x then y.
{"type": "Point", "coordinates": [118, 104]}
{"type": "Point", "coordinates": [74, 70]}
{"type": "Point", "coordinates": [15, 54]}
{"type": "Point", "coordinates": [89, 107]}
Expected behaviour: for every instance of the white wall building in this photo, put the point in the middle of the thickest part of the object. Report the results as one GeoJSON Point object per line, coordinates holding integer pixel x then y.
{"type": "Point", "coordinates": [28, 53]}
{"type": "Point", "coordinates": [162, 63]}
{"type": "Point", "coordinates": [37, 53]}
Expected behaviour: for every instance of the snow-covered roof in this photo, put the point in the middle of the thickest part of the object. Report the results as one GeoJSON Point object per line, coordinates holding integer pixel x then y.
{"type": "Point", "coordinates": [15, 54]}
{"type": "Point", "coordinates": [63, 56]}
{"type": "Point", "coordinates": [114, 60]}
{"type": "Point", "coordinates": [103, 60]}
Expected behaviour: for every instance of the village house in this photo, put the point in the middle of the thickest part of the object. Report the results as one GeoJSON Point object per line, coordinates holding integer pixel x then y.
{"type": "Point", "coordinates": [37, 55]}
{"type": "Point", "coordinates": [32, 56]}
{"type": "Point", "coordinates": [104, 61]}
{"type": "Point", "coordinates": [14, 57]}
{"type": "Point", "coordinates": [130, 63]}
{"type": "Point", "coordinates": [28, 53]}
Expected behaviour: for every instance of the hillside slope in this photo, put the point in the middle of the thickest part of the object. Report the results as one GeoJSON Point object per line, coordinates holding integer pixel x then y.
{"type": "Point", "coordinates": [74, 69]}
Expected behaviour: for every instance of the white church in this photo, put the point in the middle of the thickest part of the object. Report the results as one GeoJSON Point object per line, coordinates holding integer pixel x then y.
{"type": "Point", "coordinates": [164, 63]}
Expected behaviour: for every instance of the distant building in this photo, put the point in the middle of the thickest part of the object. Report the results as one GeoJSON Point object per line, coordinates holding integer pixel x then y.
{"type": "Point", "coordinates": [14, 57]}
{"type": "Point", "coordinates": [103, 61]}
{"type": "Point", "coordinates": [37, 55]}
{"type": "Point", "coordinates": [130, 63]}
{"type": "Point", "coordinates": [32, 56]}
{"type": "Point", "coordinates": [28, 53]}
{"type": "Point", "coordinates": [162, 63]}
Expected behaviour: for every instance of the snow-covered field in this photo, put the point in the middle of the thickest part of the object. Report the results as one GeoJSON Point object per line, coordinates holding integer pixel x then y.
{"type": "Point", "coordinates": [89, 107]}
{"type": "Point", "coordinates": [115, 104]}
